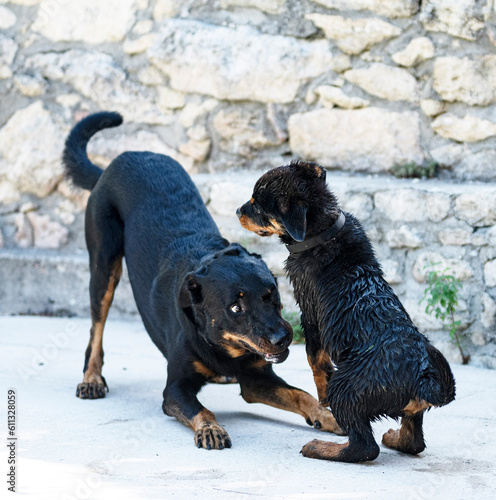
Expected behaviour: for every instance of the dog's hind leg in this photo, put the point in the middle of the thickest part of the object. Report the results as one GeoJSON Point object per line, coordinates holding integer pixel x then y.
{"type": "Point", "coordinates": [409, 438]}
{"type": "Point", "coordinates": [361, 446]}
{"type": "Point", "coordinates": [105, 239]}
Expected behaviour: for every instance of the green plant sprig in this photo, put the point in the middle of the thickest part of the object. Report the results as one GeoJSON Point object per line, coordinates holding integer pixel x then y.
{"type": "Point", "coordinates": [441, 296]}
{"type": "Point", "coordinates": [293, 319]}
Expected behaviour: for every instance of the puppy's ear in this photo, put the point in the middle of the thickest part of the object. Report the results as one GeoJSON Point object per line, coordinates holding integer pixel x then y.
{"type": "Point", "coordinates": [295, 221]}
{"type": "Point", "coordinates": [191, 291]}
{"type": "Point", "coordinates": [310, 169]}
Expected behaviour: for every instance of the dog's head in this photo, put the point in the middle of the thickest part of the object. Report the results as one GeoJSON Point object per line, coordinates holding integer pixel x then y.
{"type": "Point", "coordinates": [233, 300]}
{"type": "Point", "coordinates": [284, 201]}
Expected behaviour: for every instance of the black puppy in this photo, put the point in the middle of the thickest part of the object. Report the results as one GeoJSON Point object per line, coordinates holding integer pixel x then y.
{"type": "Point", "coordinates": [368, 358]}
{"type": "Point", "coordinates": [212, 308]}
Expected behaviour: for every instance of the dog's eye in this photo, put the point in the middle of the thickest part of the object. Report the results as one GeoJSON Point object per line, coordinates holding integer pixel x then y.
{"type": "Point", "coordinates": [267, 297]}
{"type": "Point", "coordinates": [235, 309]}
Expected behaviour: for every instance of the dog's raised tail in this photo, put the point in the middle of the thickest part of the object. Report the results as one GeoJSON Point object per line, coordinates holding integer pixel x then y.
{"type": "Point", "coordinates": [78, 167]}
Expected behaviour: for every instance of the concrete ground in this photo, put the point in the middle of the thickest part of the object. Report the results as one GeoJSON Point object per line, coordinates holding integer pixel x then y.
{"type": "Point", "coordinates": [124, 447]}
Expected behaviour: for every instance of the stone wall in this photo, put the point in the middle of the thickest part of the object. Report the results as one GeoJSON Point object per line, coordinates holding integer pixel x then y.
{"type": "Point", "coordinates": [233, 87]}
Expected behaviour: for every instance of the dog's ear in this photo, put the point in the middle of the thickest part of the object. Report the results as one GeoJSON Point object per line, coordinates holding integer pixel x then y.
{"type": "Point", "coordinates": [191, 291]}
{"type": "Point", "coordinates": [295, 220]}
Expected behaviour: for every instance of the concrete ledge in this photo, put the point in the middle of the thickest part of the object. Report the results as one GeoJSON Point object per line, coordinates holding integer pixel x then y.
{"type": "Point", "coordinates": [54, 284]}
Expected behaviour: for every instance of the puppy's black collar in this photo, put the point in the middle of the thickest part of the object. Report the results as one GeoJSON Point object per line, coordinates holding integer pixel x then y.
{"type": "Point", "coordinates": [320, 238]}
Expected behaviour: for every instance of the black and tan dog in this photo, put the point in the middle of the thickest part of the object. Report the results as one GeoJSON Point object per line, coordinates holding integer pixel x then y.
{"type": "Point", "coordinates": [212, 308]}
{"type": "Point", "coordinates": [367, 357]}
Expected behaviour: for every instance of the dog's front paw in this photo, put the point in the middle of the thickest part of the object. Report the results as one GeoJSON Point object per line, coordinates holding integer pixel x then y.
{"type": "Point", "coordinates": [325, 421]}
{"type": "Point", "coordinates": [212, 437]}
{"type": "Point", "coordinates": [92, 390]}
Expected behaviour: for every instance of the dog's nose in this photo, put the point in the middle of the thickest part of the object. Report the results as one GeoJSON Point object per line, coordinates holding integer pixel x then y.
{"type": "Point", "coordinates": [279, 338]}
{"type": "Point", "coordinates": [238, 212]}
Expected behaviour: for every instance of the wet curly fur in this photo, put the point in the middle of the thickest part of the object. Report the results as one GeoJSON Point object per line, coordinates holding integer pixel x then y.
{"type": "Point", "coordinates": [368, 358]}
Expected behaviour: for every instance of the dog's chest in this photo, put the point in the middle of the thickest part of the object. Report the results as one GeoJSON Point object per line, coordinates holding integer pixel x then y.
{"type": "Point", "coordinates": [304, 279]}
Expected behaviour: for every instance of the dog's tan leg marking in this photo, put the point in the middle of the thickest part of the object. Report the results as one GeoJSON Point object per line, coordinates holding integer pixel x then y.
{"type": "Point", "coordinates": [208, 433]}
{"type": "Point", "coordinates": [320, 366]}
{"type": "Point", "coordinates": [94, 385]}
{"type": "Point", "coordinates": [296, 401]}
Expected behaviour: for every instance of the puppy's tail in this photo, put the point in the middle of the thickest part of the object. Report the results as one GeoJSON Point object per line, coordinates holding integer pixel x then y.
{"type": "Point", "coordinates": [78, 167]}
{"type": "Point", "coordinates": [438, 384]}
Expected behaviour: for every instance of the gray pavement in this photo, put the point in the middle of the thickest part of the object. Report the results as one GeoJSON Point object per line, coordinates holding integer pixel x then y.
{"type": "Point", "coordinates": [124, 447]}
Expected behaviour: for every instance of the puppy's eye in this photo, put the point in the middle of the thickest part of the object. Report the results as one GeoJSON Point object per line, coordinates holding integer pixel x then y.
{"type": "Point", "coordinates": [235, 309]}
{"type": "Point", "coordinates": [267, 297]}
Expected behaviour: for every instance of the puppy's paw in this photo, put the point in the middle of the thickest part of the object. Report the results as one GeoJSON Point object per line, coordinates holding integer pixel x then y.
{"type": "Point", "coordinates": [406, 442]}
{"type": "Point", "coordinates": [391, 439]}
{"type": "Point", "coordinates": [92, 390]}
{"type": "Point", "coordinates": [212, 437]}
{"type": "Point", "coordinates": [322, 450]}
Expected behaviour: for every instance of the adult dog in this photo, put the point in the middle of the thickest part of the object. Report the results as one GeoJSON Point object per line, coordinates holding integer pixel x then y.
{"type": "Point", "coordinates": [211, 307]}
{"type": "Point", "coordinates": [367, 357]}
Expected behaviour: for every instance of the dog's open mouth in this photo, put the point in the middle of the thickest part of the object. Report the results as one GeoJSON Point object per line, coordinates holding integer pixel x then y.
{"type": "Point", "coordinates": [276, 358]}
{"type": "Point", "coordinates": [263, 233]}
{"type": "Point", "coordinates": [269, 357]}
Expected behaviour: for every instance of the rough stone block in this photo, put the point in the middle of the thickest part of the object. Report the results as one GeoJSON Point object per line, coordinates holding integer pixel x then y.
{"type": "Point", "coordinates": [31, 143]}
{"type": "Point", "coordinates": [467, 129]}
{"type": "Point", "coordinates": [412, 205]}
{"type": "Point", "coordinates": [369, 139]}
{"type": "Point", "coordinates": [431, 107]}
{"type": "Point", "coordinates": [235, 64]}
{"type": "Point", "coordinates": [241, 131]}
{"type": "Point", "coordinates": [8, 51]}
{"type": "Point", "coordinates": [353, 36]}
{"type": "Point", "coordinates": [386, 82]}
{"type": "Point", "coordinates": [333, 96]}
{"type": "Point", "coordinates": [403, 237]}
{"type": "Point", "coordinates": [461, 18]}
{"type": "Point", "coordinates": [360, 205]}
{"type": "Point", "coordinates": [477, 166]}
{"type": "Point", "coordinates": [490, 272]}
{"type": "Point", "coordinates": [269, 6]}
{"type": "Point", "coordinates": [478, 207]}
{"type": "Point", "coordinates": [469, 80]}
{"type": "Point", "coordinates": [456, 235]}
{"type": "Point", "coordinates": [47, 233]}
{"type": "Point", "coordinates": [165, 9]}
{"type": "Point", "coordinates": [419, 49]}
{"type": "Point", "coordinates": [428, 261]}
{"type": "Point", "coordinates": [389, 8]}
{"type": "Point", "coordinates": [488, 315]}
{"type": "Point", "coordinates": [91, 21]}
{"type": "Point", "coordinates": [7, 18]}
{"type": "Point", "coordinates": [390, 268]}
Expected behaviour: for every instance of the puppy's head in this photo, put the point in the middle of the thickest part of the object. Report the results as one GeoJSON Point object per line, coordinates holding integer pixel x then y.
{"type": "Point", "coordinates": [283, 201]}
{"type": "Point", "coordinates": [234, 302]}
